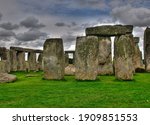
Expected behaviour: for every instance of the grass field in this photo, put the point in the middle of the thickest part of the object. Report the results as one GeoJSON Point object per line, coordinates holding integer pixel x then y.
{"type": "Point", "coordinates": [105, 92]}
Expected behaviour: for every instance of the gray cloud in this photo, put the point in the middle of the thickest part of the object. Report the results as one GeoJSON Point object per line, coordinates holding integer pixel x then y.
{"type": "Point", "coordinates": [131, 15]}
{"type": "Point", "coordinates": [31, 22]}
{"type": "Point", "coordinates": [9, 26]}
{"type": "Point", "coordinates": [6, 34]}
{"type": "Point", "coordinates": [31, 35]}
{"type": "Point", "coordinates": [1, 16]}
{"type": "Point", "coordinates": [60, 24]}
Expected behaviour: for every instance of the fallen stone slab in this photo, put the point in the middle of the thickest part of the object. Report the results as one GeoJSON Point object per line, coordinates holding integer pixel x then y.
{"type": "Point", "coordinates": [6, 78]}
{"type": "Point", "coordinates": [109, 30]}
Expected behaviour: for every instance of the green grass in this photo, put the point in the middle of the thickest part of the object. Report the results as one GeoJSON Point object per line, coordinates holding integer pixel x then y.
{"type": "Point", "coordinates": [105, 92]}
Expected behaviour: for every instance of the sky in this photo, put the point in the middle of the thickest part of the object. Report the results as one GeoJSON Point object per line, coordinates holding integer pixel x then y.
{"type": "Point", "coordinates": [28, 23]}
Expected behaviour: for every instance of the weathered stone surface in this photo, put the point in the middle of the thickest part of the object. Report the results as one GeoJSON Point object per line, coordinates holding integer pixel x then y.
{"type": "Point", "coordinates": [123, 58]}
{"type": "Point", "coordinates": [4, 60]}
{"type": "Point", "coordinates": [136, 40]}
{"type": "Point", "coordinates": [54, 60]}
{"type": "Point", "coordinates": [21, 66]}
{"type": "Point", "coordinates": [147, 49]}
{"type": "Point", "coordinates": [105, 57]}
{"type": "Point", "coordinates": [66, 59]}
{"type": "Point", "coordinates": [108, 30]}
{"type": "Point", "coordinates": [70, 70]}
{"type": "Point", "coordinates": [13, 59]}
{"type": "Point", "coordinates": [3, 53]}
{"type": "Point", "coordinates": [3, 65]}
{"type": "Point", "coordinates": [86, 58]}
{"type": "Point", "coordinates": [5, 78]}
{"type": "Point", "coordinates": [137, 58]}
{"type": "Point", "coordinates": [40, 65]}
{"type": "Point", "coordinates": [32, 61]}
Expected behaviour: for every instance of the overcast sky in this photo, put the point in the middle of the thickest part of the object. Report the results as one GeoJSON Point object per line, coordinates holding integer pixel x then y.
{"type": "Point", "coordinates": [27, 23]}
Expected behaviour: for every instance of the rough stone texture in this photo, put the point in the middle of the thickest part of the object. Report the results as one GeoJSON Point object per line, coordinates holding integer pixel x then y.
{"type": "Point", "coordinates": [70, 70]}
{"type": "Point", "coordinates": [54, 60]}
{"type": "Point", "coordinates": [3, 53]}
{"type": "Point", "coordinates": [3, 65]}
{"type": "Point", "coordinates": [147, 49]}
{"type": "Point", "coordinates": [13, 59]}
{"type": "Point", "coordinates": [105, 57]}
{"type": "Point", "coordinates": [8, 67]}
{"type": "Point", "coordinates": [86, 58]}
{"type": "Point", "coordinates": [40, 65]}
{"type": "Point", "coordinates": [108, 30]}
{"type": "Point", "coordinates": [21, 66]}
{"type": "Point", "coordinates": [136, 40]}
{"type": "Point", "coordinates": [6, 78]}
{"type": "Point", "coordinates": [123, 58]}
{"type": "Point", "coordinates": [137, 59]}
{"type": "Point", "coordinates": [5, 60]}
{"type": "Point", "coordinates": [32, 61]}
{"type": "Point", "coordinates": [17, 59]}
{"type": "Point", "coordinates": [66, 59]}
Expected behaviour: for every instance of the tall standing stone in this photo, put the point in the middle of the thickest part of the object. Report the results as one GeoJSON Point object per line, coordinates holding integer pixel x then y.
{"type": "Point", "coordinates": [123, 58]}
{"type": "Point", "coordinates": [54, 60]}
{"type": "Point", "coordinates": [32, 60]}
{"type": "Point", "coordinates": [21, 66]}
{"type": "Point", "coordinates": [138, 63]}
{"type": "Point", "coordinates": [5, 60]}
{"type": "Point", "coordinates": [147, 49]}
{"type": "Point", "coordinates": [13, 59]}
{"type": "Point", "coordinates": [40, 62]}
{"type": "Point", "coordinates": [105, 56]}
{"type": "Point", "coordinates": [86, 58]}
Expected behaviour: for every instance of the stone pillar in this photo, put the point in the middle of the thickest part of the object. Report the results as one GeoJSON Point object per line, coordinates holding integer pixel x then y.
{"type": "Point", "coordinates": [54, 60]}
{"type": "Point", "coordinates": [66, 59]}
{"type": "Point", "coordinates": [105, 56]}
{"type": "Point", "coordinates": [86, 58]}
{"type": "Point", "coordinates": [138, 63]}
{"type": "Point", "coordinates": [147, 49]}
{"type": "Point", "coordinates": [123, 58]}
{"type": "Point", "coordinates": [8, 61]}
{"type": "Point", "coordinates": [13, 59]}
{"type": "Point", "coordinates": [21, 65]}
{"type": "Point", "coordinates": [40, 62]}
{"type": "Point", "coordinates": [5, 60]}
{"type": "Point", "coordinates": [32, 61]}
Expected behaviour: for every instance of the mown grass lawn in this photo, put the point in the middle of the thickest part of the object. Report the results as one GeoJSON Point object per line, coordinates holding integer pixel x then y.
{"type": "Point", "coordinates": [104, 92]}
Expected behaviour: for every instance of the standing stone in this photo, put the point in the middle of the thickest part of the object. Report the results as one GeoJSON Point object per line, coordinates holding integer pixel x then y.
{"type": "Point", "coordinates": [66, 59]}
{"type": "Point", "coordinates": [32, 60]}
{"type": "Point", "coordinates": [13, 59]}
{"type": "Point", "coordinates": [105, 57]}
{"type": "Point", "coordinates": [54, 60]}
{"type": "Point", "coordinates": [147, 49]}
{"type": "Point", "coordinates": [138, 63]}
{"type": "Point", "coordinates": [86, 58]}
{"type": "Point", "coordinates": [40, 62]}
{"type": "Point", "coordinates": [21, 66]}
{"type": "Point", "coordinates": [5, 60]}
{"type": "Point", "coordinates": [123, 58]}
{"type": "Point", "coordinates": [3, 65]}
